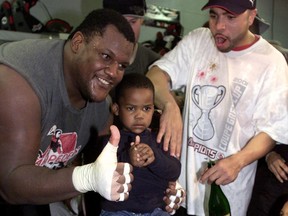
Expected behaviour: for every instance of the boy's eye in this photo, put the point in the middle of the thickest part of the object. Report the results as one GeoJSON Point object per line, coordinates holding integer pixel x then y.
{"type": "Point", "coordinates": [130, 108]}
{"type": "Point", "coordinates": [148, 108]}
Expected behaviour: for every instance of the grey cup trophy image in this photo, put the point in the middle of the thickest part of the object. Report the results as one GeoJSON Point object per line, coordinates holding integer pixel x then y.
{"type": "Point", "coordinates": [206, 98]}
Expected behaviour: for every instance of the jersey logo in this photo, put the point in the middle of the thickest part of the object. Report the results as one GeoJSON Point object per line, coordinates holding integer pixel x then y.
{"type": "Point", "coordinates": [206, 98]}
{"type": "Point", "coordinates": [60, 150]}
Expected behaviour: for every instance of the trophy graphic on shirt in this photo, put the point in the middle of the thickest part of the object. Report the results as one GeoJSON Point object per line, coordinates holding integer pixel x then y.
{"type": "Point", "coordinates": [206, 98]}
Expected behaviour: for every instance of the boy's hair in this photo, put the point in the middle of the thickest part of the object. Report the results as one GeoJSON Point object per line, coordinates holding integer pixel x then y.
{"type": "Point", "coordinates": [133, 80]}
{"type": "Point", "coordinates": [97, 21]}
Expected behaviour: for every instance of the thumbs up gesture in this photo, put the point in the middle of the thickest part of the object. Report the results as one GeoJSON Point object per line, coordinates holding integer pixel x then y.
{"type": "Point", "coordinates": [110, 179]}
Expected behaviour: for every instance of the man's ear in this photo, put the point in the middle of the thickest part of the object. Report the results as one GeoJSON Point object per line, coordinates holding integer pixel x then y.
{"type": "Point", "coordinates": [76, 41]}
{"type": "Point", "coordinates": [115, 109]}
{"type": "Point", "coordinates": [252, 16]}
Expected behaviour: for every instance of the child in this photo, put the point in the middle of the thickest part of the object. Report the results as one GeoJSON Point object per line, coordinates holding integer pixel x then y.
{"type": "Point", "coordinates": [153, 168]}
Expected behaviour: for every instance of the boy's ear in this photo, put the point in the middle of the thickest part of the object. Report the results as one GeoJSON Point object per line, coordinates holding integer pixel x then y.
{"type": "Point", "coordinates": [115, 109]}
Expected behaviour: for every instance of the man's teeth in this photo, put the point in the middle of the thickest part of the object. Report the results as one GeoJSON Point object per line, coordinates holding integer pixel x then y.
{"type": "Point", "coordinates": [103, 81]}
{"type": "Point", "coordinates": [220, 40]}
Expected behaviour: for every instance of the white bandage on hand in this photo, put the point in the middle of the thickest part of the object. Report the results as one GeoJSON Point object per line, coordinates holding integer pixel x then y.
{"type": "Point", "coordinates": [98, 176]}
{"type": "Point", "coordinates": [171, 205]}
{"type": "Point", "coordinates": [173, 212]}
{"type": "Point", "coordinates": [180, 191]}
{"type": "Point", "coordinates": [127, 178]}
{"type": "Point", "coordinates": [180, 194]}
{"type": "Point", "coordinates": [125, 186]}
{"type": "Point", "coordinates": [172, 198]}
{"type": "Point", "coordinates": [122, 197]}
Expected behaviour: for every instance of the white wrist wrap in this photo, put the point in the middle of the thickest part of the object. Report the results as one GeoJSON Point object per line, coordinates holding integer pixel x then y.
{"type": "Point", "coordinates": [178, 194]}
{"type": "Point", "coordinates": [178, 186]}
{"type": "Point", "coordinates": [97, 176]}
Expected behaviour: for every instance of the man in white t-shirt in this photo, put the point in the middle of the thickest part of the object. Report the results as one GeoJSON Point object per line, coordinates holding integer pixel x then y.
{"type": "Point", "coordinates": [236, 104]}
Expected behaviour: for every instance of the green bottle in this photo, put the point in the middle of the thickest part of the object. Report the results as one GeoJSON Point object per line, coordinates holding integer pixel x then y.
{"type": "Point", "coordinates": [218, 202]}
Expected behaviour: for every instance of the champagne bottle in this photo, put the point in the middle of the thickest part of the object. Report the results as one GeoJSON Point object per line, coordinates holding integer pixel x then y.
{"type": "Point", "coordinates": [218, 203]}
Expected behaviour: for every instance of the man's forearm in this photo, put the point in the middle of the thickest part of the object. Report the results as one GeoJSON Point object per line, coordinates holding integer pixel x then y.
{"type": "Point", "coordinates": [161, 82]}
{"type": "Point", "coordinates": [256, 148]}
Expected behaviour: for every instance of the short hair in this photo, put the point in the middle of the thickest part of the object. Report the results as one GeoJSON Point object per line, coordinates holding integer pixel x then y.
{"type": "Point", "coordinates": [96, 22]}
{"type": "Point", "coordinates": [133, 80]}
{"type": "Point", "coordinates": [127, 7]}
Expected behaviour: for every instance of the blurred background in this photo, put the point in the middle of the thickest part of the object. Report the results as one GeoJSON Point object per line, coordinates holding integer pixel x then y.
{"type": "Point", "coordinates": [190, 15]}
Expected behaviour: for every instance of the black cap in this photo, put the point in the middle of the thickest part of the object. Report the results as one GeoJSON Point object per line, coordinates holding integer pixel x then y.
{"type": "Point", "coordinates": [233, 6]}
{"type": "Point", "coordinates": [127, 7]}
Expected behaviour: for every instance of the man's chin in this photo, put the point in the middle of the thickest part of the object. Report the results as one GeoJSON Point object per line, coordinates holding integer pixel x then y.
{"type": "Point", "coordinates": [223, 50]}
{"type": "Point", "coordinates": [223, 47]}
{"type": "Point", "coordinates": [99, 98]}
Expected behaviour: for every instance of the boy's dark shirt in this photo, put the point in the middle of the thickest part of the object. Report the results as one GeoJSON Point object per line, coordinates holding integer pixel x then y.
{"type": "Point", "coordinates": [150, 182]}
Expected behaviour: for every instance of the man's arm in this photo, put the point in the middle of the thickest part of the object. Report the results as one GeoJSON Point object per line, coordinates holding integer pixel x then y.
{"type": "Point", "coordinates": [20, 132]}
{"type": "Point", "coordinates": [171, 125]}
{"type": "Point", "coordinates": [165, 165]}
{"type": "Point", "coordinates": [21, 181]}
{"type": "Point", "coordinates": [226, 170]}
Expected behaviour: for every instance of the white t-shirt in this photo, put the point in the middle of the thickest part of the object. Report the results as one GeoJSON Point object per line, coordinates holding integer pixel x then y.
{"type": "Point", "coordinates": [230, 97]}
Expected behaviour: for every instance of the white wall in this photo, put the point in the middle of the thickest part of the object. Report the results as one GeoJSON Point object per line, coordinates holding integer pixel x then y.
{"type": "Point", "coordinates": [73, 11]}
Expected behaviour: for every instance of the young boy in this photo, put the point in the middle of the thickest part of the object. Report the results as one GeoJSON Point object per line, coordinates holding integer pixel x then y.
{"type": "Point", "coordinates": [153, 168]}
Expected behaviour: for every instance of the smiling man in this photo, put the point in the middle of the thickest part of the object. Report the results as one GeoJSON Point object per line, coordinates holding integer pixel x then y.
{"type": "Point", "coordinates": [54, 93]}
{"type": "Point", "coordinates": [236, 91]}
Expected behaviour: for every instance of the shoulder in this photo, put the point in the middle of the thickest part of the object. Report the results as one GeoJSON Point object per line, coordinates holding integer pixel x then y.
{"type": "Point", "coordinates": [31, 45]}
{"type": "Point", "coordinates": [144, 51]}
{"type": "Point", "coordinates": [272, 53]}
{"type": "Point", "coordinates": [32, 54]}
